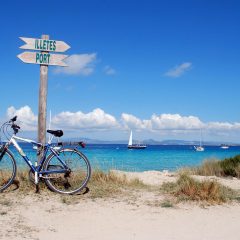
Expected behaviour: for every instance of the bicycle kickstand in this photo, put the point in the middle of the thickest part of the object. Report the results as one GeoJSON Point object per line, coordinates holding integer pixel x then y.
{"type": "Point", "coordinates": [37, 188]}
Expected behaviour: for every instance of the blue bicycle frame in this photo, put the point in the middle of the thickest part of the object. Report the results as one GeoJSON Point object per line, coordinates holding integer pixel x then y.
{"type": "Point", "coordinates": [46, 148]}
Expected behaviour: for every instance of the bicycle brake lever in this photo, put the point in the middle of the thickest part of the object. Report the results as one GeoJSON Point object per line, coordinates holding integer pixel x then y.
{"type": "Point", "coordinates": [82, 144]}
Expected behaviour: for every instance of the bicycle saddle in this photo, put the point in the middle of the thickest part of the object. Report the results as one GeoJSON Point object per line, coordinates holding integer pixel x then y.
{"type": "Point", "coordinates": [56, 133]}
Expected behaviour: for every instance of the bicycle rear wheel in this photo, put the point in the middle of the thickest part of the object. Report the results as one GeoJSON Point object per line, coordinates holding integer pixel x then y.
{"type": "Point", "coordinates": [70, 182]}
{"type": "Point", "coordinates": [8, 170]}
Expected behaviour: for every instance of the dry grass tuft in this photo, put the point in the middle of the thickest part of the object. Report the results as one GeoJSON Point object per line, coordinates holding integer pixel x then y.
{"type": "Point", "coordinates": [187, 188]}
{"type": "Point", "coordinates": [167, 204]}
{"type": "Point", "coordinates": [101, 185]}
{"type": "Point", "coordinates": [209, 168]}
{"type": "Point", "coordinates": [110, 184]}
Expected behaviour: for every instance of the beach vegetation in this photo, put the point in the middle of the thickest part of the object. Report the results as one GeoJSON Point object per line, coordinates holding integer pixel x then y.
{"type": "Point", "coordinates": [110, 184]}
{"type": "Point", "coordinates": [101, 185]}
{"type": "Point", "coordinates": [187, 188]}
{"type": "Point", "coordinates": [167, 204]}
{"type": "Point", "coordinates": [221, 168]}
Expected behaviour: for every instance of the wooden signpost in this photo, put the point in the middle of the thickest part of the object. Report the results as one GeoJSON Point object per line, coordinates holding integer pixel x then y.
{"type": "Point", "coordinates": [44, 58]}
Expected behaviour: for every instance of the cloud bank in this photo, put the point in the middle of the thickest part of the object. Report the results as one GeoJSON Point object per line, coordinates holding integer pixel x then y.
{"type": "Point", "coordinates": [99, 120]}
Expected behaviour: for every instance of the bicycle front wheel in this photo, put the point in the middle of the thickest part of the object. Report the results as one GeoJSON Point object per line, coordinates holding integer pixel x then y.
{"type": "Point", "coordinates": [7, 170]}
{"type": "Point", "coordinates": [70, 182]}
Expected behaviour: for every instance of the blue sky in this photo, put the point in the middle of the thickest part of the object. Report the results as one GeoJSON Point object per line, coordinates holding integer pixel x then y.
{"type": "Point", "coordinates": [162, 68]}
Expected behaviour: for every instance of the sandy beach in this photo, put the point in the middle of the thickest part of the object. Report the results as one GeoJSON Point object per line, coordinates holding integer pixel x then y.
{"type": "Point", "coordinates": [136, 216]}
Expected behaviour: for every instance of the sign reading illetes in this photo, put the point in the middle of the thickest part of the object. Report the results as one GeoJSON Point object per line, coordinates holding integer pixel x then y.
{"type": "Point", "coordinates": [45, 46]}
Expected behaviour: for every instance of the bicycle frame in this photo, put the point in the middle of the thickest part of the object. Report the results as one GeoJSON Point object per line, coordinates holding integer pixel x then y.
{"type": "Point", "coordinates": [37, 169]}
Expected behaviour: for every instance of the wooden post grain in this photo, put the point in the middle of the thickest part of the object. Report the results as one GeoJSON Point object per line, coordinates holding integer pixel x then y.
{"type": "Point", "coordinates": [42, 104]}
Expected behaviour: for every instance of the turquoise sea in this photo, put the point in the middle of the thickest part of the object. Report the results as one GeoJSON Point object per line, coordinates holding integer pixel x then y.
{"type": "Point", "coordinates": [161, 157]}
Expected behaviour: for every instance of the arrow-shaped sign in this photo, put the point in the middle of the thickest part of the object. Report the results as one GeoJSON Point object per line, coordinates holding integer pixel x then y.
{"type": "Point", "coordinates": [44, 45]}
{"type": "Point", "coordinates": [43, 58]}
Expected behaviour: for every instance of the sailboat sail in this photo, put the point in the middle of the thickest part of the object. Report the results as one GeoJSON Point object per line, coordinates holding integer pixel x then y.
{"type": "Point", "coordinates": [130, 140]}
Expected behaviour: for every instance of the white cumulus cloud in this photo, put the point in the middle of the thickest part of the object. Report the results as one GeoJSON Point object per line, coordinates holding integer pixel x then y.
{"type": "Point", "coordinates": [26, 117]}
{"type": "Point", "coordinates": [179, 70]}
{"type": "Point", "coordinates": [78, 64]}
{"type": "Point", "coordinates": [131, 122]}
{"type": "Point", "coordinates": [95, 120]}
{"type": "Point", "coordinates": [222, 126]}
{"type": "Point", "coordinates": [175, 122]}
{"type": "Point", "coordinates": [162, 122]}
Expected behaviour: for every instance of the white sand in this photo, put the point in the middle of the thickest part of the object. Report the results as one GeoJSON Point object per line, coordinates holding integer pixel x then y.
{"type": "Point", "coordinates": [46, 217]}
{"type": "Point", "coordinates": [158, 178]}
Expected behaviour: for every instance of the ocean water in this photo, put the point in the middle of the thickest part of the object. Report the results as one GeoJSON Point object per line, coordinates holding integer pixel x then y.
{"type": "Point", "coordinates": [161, 157]}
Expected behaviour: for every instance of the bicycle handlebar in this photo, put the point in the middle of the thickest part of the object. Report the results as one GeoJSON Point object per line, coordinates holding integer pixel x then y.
{"type": "Point", "coordinates": [14, 119]}
{"type": "Point", "coordinates": [14, 126]}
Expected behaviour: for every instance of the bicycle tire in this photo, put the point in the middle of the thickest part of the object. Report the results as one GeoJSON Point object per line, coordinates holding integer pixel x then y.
{"type": "Point", "coordinates": [60, 183]}
{"type": "Point", "coordinates": [8, 169]}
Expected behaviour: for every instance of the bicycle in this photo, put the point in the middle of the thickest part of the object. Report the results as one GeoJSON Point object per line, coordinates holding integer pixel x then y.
{"type": "Point", "coordinates": [64, 170]}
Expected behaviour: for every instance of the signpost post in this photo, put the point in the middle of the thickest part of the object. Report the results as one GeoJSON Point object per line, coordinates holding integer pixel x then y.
{"type": "Point", "coordinates": [42, 101]}
{"type": "Point", "coordinates": [44, 58]}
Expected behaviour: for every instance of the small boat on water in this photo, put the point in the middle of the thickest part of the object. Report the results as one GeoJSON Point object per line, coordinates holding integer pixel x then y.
{"type": "Point", "coordinates": [134, 146]}
{"type": "Point", "coordinates": [224, 146]}
{"type": "Point", "coordinates": [200, 148]}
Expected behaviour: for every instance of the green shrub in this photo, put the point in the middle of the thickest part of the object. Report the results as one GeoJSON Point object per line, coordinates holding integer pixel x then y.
{"type": "Point", "coordinates": [220, 168]}
{"type": "Point", "coordinates": [230, 166]}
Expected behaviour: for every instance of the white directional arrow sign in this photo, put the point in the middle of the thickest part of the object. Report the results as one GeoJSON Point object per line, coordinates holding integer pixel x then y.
{"type": "Point", "coordinates": [43, 58]}
{"type": "Point", "coordinates": [44, 45]}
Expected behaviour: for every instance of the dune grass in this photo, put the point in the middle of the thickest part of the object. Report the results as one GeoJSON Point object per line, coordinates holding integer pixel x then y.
{"type": "Point", "coordinates": [188, 189]}
{"type": "Point", "coordinates": [101, 184]}
{"type": "Point", "coordinates": [221, 168]}
{"type": "Point", "coordinates": [110, 185]}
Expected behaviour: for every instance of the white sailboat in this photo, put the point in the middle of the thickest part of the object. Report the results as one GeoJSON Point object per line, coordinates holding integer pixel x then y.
{"type": "Point", "coordinates": [134, 146]}
{"type": "Point", "coordinates": [200, 148]}
{"type": "Point", "coordinates": [224, 146]}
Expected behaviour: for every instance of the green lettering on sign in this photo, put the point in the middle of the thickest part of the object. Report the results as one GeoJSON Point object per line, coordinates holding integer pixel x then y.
{"type": "Point", "coordinates": [43, 58]}
{"type": "Point", "coordinates": [45, 45]}
{"type": "Point", "coordinates": [37, 57]}
{"type": "Point", "coordinates": [54, 45]}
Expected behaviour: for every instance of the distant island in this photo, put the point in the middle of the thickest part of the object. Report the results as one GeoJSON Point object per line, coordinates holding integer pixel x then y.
{"type": "Point", "coordinates": [154, 142]}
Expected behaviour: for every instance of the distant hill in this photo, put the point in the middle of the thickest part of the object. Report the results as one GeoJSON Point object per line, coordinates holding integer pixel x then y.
{"type": "Point", "coordinates": [150, 142]}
